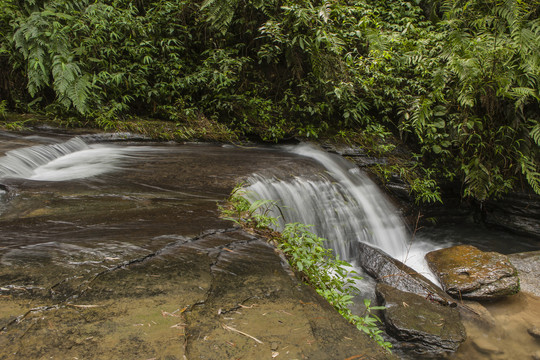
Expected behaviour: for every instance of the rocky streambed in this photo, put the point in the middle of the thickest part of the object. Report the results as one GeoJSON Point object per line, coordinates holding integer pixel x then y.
{"type": "Point", "coordinates": [136, 263]}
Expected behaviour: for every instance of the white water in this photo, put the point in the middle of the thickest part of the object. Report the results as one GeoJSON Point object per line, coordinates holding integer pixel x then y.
{"type": "Point", "coordinates": [73, 159]}
{"type": "Point", "coordinates": [344, 206]}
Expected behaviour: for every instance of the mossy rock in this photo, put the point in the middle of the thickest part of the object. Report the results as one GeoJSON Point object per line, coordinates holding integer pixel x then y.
{"type": "Point", "coordinates": [468, 273]}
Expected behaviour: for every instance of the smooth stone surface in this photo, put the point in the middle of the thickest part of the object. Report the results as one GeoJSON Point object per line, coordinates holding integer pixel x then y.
{"type": "Point", "coordinates": [420, 325]}
{"type": "Point", "coordinates": [485, 346]}
{"type": "Point", "coordinates": [465, 272]}
{"type": "Point", "coordinates": [528, 266]}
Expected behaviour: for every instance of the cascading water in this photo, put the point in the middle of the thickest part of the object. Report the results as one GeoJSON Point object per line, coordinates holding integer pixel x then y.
{"type": "Point", "coordinates": [343, 205]}
{"type": "Point", "coordinates": [73, 159]}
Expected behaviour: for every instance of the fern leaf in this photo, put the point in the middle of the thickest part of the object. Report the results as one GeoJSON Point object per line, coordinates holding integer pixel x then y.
{"type": "Point", "coordinates": [220, 13]}
{"type": "Point", "coordinates": [535, 134]}
{"type": "Point", "coordinates": [78, 93]}
{"type": "Point", "coordinates": [529, 169]}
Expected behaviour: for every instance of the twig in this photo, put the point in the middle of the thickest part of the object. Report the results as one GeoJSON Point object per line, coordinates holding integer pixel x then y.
{"type": "Point", "coordinates": [241, 332]}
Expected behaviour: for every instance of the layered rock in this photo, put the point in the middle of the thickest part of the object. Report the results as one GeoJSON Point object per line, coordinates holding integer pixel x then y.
{"type": "Point", "coordinates": [465, 272]}
{"type": "Point", "coordinates": [518, 212]}
{"type": "Point", "coordinates": [421, 325]}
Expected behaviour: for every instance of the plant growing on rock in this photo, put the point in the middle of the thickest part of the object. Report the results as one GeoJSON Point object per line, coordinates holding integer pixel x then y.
{"type": "Point", "coordinates": [331, 277]}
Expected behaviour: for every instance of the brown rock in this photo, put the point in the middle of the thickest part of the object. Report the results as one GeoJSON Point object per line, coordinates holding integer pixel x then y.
{"type": "Point", "coordinates": [469, 273]}
{"type": "Point", "coordinates": [486, 347]}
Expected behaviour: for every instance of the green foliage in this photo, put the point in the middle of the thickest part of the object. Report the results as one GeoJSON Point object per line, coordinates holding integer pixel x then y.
{"type": "Point", "coordinates": [3, 108]}
{"type": "Point", "coordinates": [331, 277]}
{"type": "Point", "coordinates": [457, 81]}
{"type": "Point", "coordinates": [468, 94]}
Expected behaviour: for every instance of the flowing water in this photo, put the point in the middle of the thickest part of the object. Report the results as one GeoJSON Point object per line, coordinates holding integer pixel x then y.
{"type": "Point", "coordinates": [343, 205]}
{"type": "Point", "coordinates": [80, 203]}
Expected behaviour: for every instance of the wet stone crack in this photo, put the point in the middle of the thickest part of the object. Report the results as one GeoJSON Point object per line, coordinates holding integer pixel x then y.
{"type": "Point", "coordinates": [82, 288]}
{"type": "Point", "coordinates": [20, 318]}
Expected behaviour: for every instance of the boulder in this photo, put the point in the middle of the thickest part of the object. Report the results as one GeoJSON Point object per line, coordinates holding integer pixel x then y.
{"type": "Point", "coordinates": [422, 326]}
{"type": "Point", "coordinates": [465, 272]}
{"type": "Point", "coordinates": [387, 270]}
{"type": "Point", "coordinates": [528, 266]}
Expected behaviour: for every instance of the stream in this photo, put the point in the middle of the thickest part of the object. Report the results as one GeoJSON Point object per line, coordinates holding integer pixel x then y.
{"type": "Point", "coordinates": [101, 227]}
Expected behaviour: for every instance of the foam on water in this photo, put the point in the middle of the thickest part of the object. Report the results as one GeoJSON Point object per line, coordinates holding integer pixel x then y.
{"type": "Point", "coordinates": [73, 159]}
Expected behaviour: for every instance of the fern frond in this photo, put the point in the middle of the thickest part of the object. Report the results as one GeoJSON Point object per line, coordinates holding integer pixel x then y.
{"type": "Point", "coordinates": [529, 169]}
{"type": "Point", "coordinates": [78, 93]}
{"type": "Point", "coordinates": [535, 134]}
{"type": "Point", "coordinates": [220, 13]}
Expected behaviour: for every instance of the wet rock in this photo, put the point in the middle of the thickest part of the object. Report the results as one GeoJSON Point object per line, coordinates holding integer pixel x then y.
{"type": "Point", "coordinates": [343, 149]}
{"type": "Point", "coordinates": [388, 270]}
{"type": "Point", "coordinates": [399, 188]}
{"type": "Point", "coordinates": [534, 332]}
{"type": "Point", "coordinates": [116, 136]}
{"type": "Point", "coordinates": [486, 346]}
{"type": "Point", "coordinates": [421, 325]}
{"type": "Point", "coordinates": [353, 153]}
{"type": "Point", "coordinates": [477, 313]}
{"type": "Point", "coordinates": [518, 212]}
{"type": "Point", "coordinates": [469, 273]}
{"type": "Point", "coordinates": [528, 266]}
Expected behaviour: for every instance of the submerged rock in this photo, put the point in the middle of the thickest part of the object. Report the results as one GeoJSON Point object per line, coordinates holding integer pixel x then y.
{"type": "Point", "coordinates": [486, 346]}
{"type": "Point", "coordinates": [528, 266]}
{"type": "Point", "coordinates": [422, 326]}
{"type": "Point", "coordinates": [469, 273]}
{"type": "Point", "coordinates": [534, 332]}
{"type": "Point", "coordinates": [388, 270]}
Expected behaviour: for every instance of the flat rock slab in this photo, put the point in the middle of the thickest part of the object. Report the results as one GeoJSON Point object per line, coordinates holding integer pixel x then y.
{"type": "Point", "coordinates": [528, 266]}
{"type": "Point", "coordinates": [221, 295]}
{"type": "Point", "coordinates": [126, 266]}
{"type": "Point", "coordinates": [421, 325]}
{"type": "Point", "coordinates": [468, 273]}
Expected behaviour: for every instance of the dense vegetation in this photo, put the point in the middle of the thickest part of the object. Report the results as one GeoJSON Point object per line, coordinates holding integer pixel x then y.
{"type": "Point", "coordinates": [457, 81]}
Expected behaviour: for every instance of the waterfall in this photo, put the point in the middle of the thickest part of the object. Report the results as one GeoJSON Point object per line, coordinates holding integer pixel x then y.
{"type": "Point", "coordinates": [73, 159]}
{"type": "Point", "coordinates": [342, 204]}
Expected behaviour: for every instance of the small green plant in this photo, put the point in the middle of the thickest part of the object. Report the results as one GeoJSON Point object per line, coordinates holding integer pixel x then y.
{"type": "Point", "coordinates": [331, 277]}
{"type": "Point", "coordinates": [249, 214]}
{"type": "Point", "coordinates": [3, 108]}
